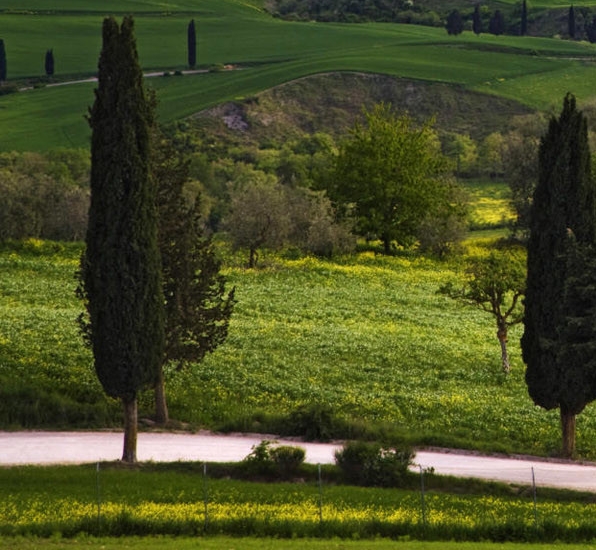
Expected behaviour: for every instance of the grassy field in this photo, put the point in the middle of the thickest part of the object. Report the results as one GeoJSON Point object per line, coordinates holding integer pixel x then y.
{"type": "Point", "coordinates": [227, 543]}
{"type": "Point", "coordinates": [75, 502]}
{"type": "Point", "coordinates": [365, 336]}
{"type": "Point", "coordinates": [534, 71]}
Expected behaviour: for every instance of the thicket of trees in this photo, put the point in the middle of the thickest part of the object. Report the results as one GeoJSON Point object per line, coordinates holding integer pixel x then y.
{"type": "Point", "coordinates": [515, 19]}
{"type": "Point", "coordinates": [44, 195]}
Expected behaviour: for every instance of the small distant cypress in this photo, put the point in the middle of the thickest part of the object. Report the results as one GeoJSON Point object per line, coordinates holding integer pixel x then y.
{"type": "Point", "coordinates": [477, 20]}
{"type": "Point", "coordinates": [524, 19]}
{"type": "Point", "coordinates": [49, 64]}
{"type": "Point", "coordinates": [192, 44]}
{"type": "Point", "coordinates": [455, 24]}
{"type": "Point", "coordinates": [2, 61]}
{"type": "Point", "coordinates": [571, 22]}
{"type": "Point", "coordinates": [497, 23]}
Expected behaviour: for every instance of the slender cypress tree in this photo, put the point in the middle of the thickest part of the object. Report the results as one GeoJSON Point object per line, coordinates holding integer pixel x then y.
{"type": "Point", "coordinates": [560, 251]}
{"type": "Point", "coordinates": [49, 63]}
{"type": "Point", "coordinates": [571, 22]}
{"type": "Point", "coordinates": [524, 19]}
{"type": "Point", "coordinates": [192, 44]}
{"type": "Point", "coordinates": [120, 270]}
{"type": "Point", "coordinates": [2, 61]}
{"type": "Point", "coordinates": [455, 23]}
{"type": "Point", "coordinates": [477, 20]}
{"type": "Point", "coordinates": [497, 23]}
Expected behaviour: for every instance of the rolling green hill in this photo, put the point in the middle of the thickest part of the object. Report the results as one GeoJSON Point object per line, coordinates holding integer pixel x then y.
{"type": "Point", "coordinates": [534, 71]}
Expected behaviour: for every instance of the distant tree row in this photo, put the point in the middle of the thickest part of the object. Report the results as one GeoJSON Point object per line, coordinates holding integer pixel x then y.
{"type": "Point", "coordinates": [49, 61]}
{"type": "Point", "coordinates": [497, 24]}
{"type": "Point", "coordinates": [495, 18]}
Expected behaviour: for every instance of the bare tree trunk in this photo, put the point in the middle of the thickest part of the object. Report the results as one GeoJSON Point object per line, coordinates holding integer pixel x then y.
{"type": "Point", "coordinates": [161, 406]}
{"type": "Point", "coordinates": [568, 428]}
{"type": "Point", "coordinates": [502, 336]}
{"type": "Point", "coordinates": [129, 454]}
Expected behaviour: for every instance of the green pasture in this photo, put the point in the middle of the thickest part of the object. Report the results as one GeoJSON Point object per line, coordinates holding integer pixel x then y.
{"type": "Point", "coordinates": [365, 336]}
{"type": "Point", "coordinates": [76, 502]}
{"type": "Point", "coordinates": [269, 52]}
{"type": "Point", "coordinates": [227, 543]}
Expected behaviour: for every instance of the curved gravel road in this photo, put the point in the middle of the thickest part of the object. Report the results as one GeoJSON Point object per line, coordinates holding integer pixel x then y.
{"type": "Point", "coordinates": [20, 448]}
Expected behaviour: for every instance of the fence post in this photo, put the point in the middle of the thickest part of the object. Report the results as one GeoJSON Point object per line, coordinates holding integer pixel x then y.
{"type": "Point", "coordinates": [422, 502]}
{"type": "Point", "coordinates": [320, 496]}
{"type": "Point", "coordinates": [205, 497]}
{"type": "Point", "coordinates": [534, 494]}
{"type": "Point", "coordinates": [98, 490]}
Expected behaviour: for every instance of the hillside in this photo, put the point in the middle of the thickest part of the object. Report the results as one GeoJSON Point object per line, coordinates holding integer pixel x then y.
{"type": "Point", "coordinates": [331, 102]}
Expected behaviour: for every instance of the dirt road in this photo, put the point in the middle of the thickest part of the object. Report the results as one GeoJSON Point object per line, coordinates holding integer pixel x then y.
{"type": "Point", "coordinates": [18, 448]}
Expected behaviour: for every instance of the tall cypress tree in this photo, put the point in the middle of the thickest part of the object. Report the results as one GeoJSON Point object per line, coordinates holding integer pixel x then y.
{"type": "Point", "coordinates": [571, 22]}
{"type": "Point", "coordinates": [524, 19]}
{"type": "Point", "coordinates": [49, 63]}
{"type": "Point", "coordinates": [560, 250]}
{"type": "Point", "coordinates": [192, 44]}
{"type": "Point", "coordinates": [2, 61]}
{"type": "Point", "coordinates": [120, 270]}
{"type": "Point", "coordinates": [477, 20]}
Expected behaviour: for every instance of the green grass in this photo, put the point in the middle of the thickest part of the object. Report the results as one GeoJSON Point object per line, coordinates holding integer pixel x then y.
{"type": "Point", "coordinates": [228, 543]}
{"type": "Point", "coordinates": [366, 336]}
{"type": "Point", "coordinates": [534, 71]}
{"type": "Point", "coordinates": [489, 202]}
{"type": "Point", "coordinates": [174, 499]}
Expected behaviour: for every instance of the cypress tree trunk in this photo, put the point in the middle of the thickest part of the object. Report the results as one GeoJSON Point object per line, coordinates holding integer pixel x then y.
{"type": "Point", "coordinates": [129, 405]}
{"type": "Point", "coordinates": [162, 415]}
{"type": "Point", "coordinates": [568, 430]}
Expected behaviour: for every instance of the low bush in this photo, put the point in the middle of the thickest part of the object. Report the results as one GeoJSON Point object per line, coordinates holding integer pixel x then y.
{"type": "Point", "coordinates": [274, 461]}
{"type": "Point", "coordinates": [372, 464]}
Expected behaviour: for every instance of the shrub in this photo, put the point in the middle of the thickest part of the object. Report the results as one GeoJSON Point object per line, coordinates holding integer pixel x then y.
{"type": "Point", "coordinates": [283, 460]}
{"type": "Point", "coordinates": [314, 421]}
{"type": "Point", "coordinates": [372, 464]}
{"type": "Point", "coordinates": [287, 459]}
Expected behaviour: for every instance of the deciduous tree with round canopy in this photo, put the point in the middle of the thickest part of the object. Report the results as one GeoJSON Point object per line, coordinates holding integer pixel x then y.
{"type": "Point", "coordinates": [390, 174]}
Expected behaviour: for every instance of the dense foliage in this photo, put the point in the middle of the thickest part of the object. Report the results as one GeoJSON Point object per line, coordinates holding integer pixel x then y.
{"type": "Point", "coordinates": [120, 269]}
{"type": "Point", "coordinates": [562, 229]}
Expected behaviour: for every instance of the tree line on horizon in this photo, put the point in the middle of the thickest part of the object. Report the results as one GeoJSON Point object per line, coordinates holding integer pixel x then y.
{"type": "Point", "coordinates": [492, 17]}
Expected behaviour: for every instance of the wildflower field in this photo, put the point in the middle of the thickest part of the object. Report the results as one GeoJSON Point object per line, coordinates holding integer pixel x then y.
{"type": "Point", "coordinates": [70, 501]}
{"type": "Point", "coordinates": [366, 339]}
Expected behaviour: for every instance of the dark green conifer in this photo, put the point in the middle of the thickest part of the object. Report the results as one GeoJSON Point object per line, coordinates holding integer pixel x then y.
{"type": "Point", "coordinates": [562, 234]}
{"type": "Point", "coordinates": [571, 22]}
{"type": "Point", "coordinates": [49, 63]}
{"type": "Point", "coordinates": [121, 271]}
{"type": "Point", "coordinates": [524, 19]}
{"type": "Point", "coordinates": [477, 20]}
{"type": "Point", "coordinates": [2, 61]}
{"type": "Point", "coordinates": [455, 23]}
{"type": "Point", "coordinates": [197, 306]}
{"type": "Point", "coordinates": [192, 44]}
